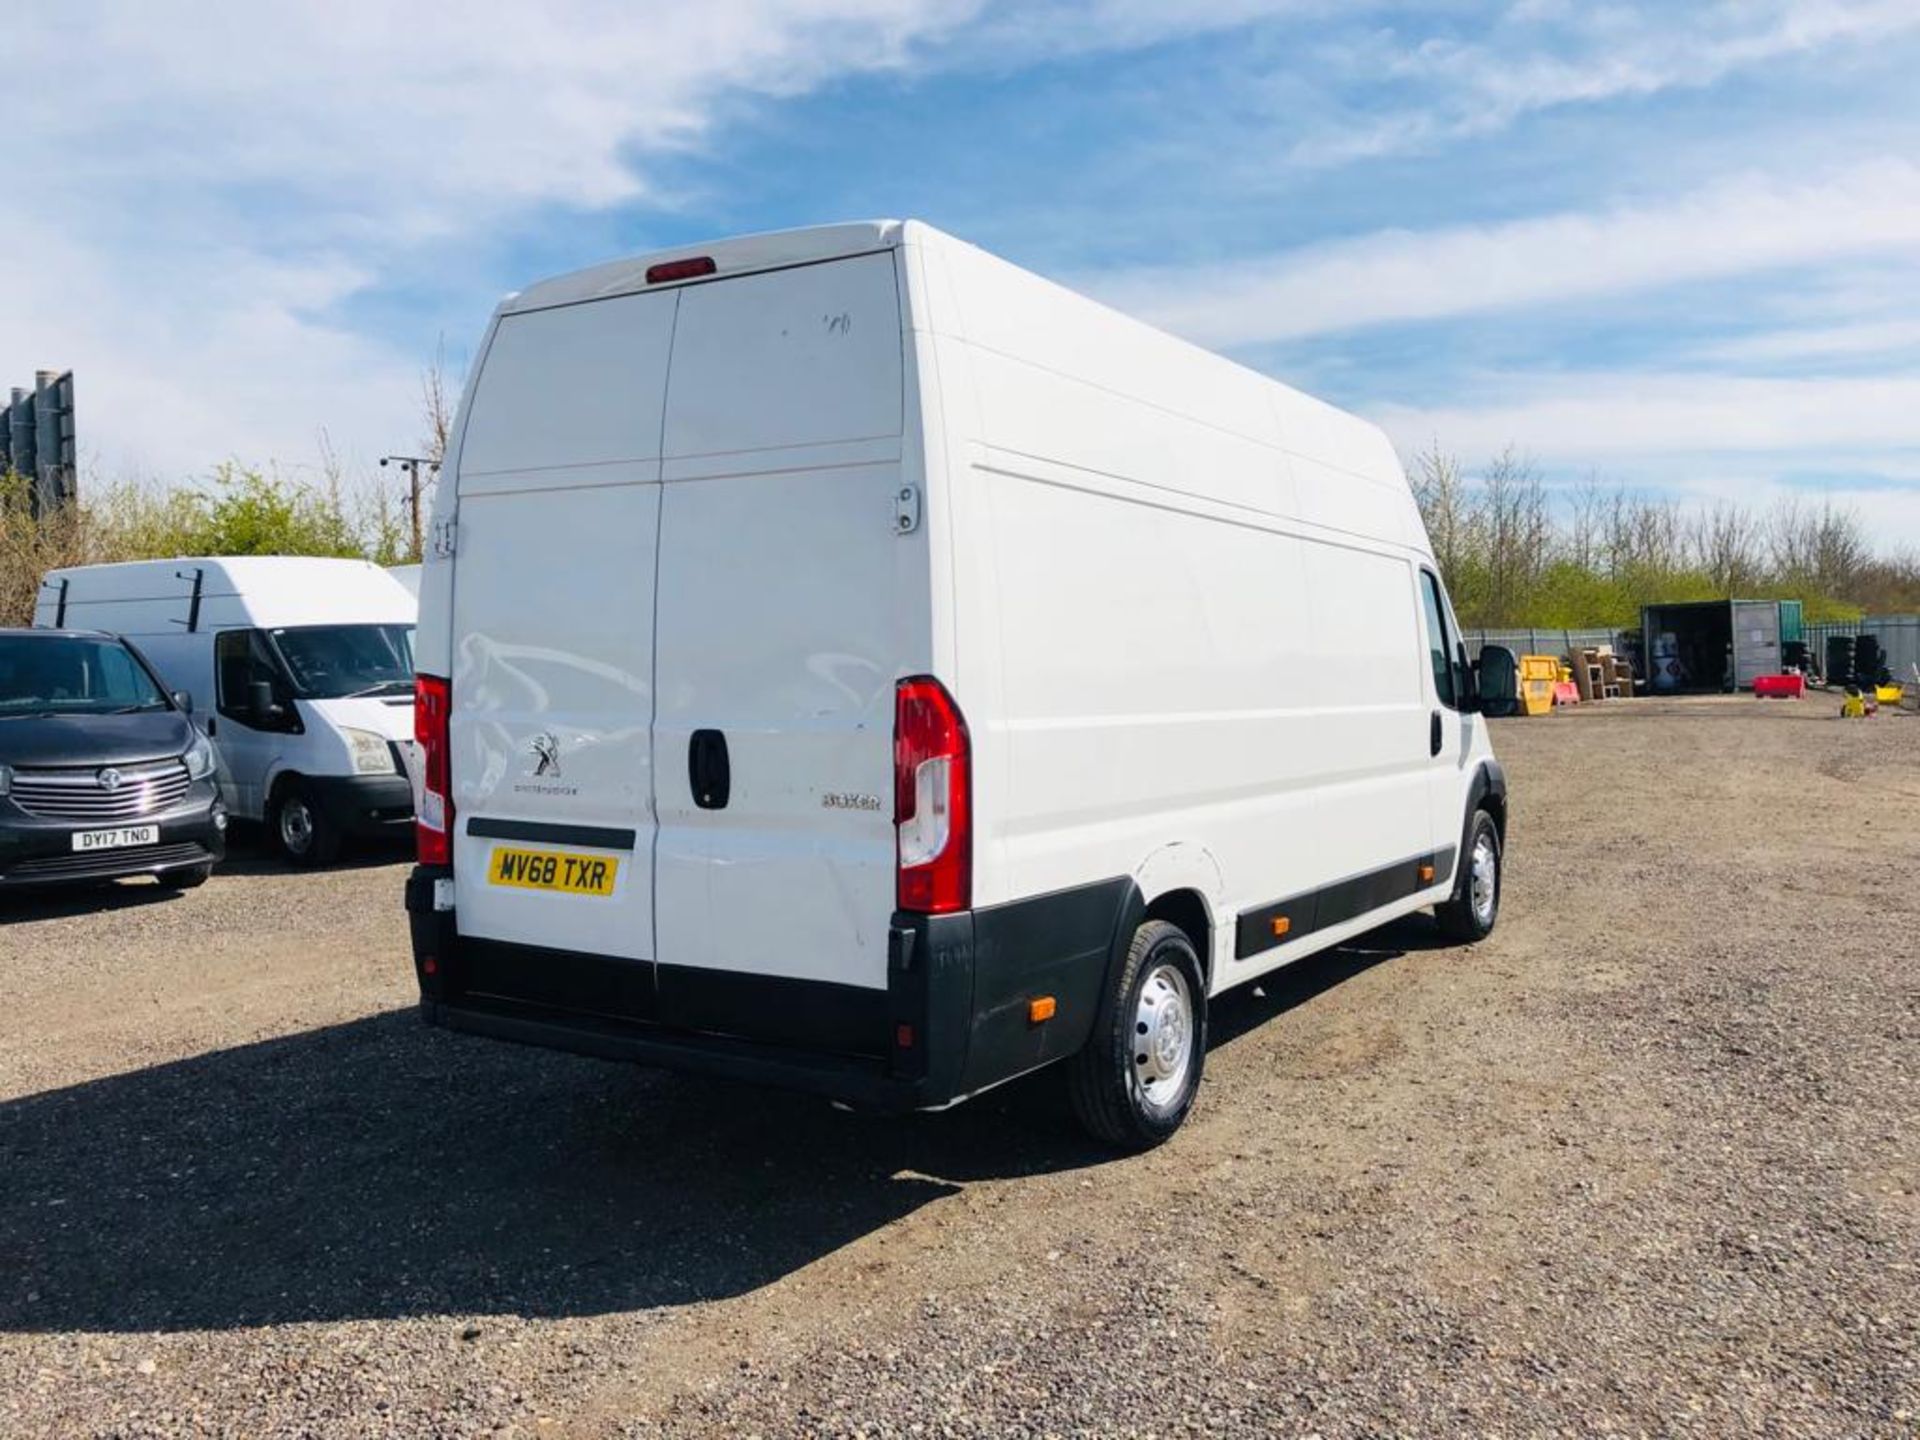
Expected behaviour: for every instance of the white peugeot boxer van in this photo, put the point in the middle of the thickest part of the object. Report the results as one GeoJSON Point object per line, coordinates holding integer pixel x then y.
{"type": "Point", "coordinates": [309, 666]}
{"type": "Point", "coordinates": [851, 662]}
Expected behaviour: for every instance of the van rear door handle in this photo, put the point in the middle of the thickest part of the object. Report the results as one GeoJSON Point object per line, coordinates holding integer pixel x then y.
{"type": "Point", "coordinates": [1433, 735]}
{"type": "Point", "coordinates": [709, 771]}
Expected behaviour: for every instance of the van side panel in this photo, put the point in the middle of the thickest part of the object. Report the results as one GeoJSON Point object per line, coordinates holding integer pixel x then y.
{"type": "Point", "coordinates": [1201, 606]}
{"type": "Point", "coordinates": [1180, 677]}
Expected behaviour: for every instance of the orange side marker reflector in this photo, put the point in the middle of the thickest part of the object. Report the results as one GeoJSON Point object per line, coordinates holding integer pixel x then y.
{"type": "Point", "coordinates": [1041, 1010]}
{"type": "Point", "coordinates": [1281, 924]}
{"type": "Point", "coordinates": [1426, 874]}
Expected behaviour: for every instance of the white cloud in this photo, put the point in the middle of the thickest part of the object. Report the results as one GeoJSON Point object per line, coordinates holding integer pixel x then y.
{"type": "Point", "coordinates": [1814, 344]}
{"type": "Point", "coordinates": [212, 187]}
{"type": "Point", "coordinates": [1738, 227]}
{"type": "Point", "coordinates": [432, 109]}
{"type": "Point", "coordinates": [1548, 55]}
{"type": "Point", "coordinates": [1608, 417]}
{"type": "Point", "coordinates": [1019, 30]}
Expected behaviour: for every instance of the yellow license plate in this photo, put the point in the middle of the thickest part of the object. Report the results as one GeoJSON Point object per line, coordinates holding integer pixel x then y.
{"type": "Point", "coordinates": [552, 870]}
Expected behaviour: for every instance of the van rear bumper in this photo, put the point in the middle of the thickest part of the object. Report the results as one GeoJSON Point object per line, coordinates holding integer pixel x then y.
{"type": "Point", "coordinates": [952, 1021]}
{"type": "Point", "coordinates": [851, 1079]}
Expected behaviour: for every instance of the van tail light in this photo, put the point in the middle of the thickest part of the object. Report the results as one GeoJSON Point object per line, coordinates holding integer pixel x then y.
{"type": "Point", "coordinates": [932, 799]}
{"type": "Point", "coordinates": [433, 816]}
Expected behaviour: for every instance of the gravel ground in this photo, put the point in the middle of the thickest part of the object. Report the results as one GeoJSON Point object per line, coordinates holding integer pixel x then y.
{"type": "Point", "coordinates": [1643, 1163]}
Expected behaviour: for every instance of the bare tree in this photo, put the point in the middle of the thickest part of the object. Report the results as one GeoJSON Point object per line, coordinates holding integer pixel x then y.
{"type": "Point", "coordinates": [1585, 544]}
{"type": "Point", "coordinates": [1644, 536]}
{"type": "Point", "coordinates": [1518, 533]}
{"type": "Point", "coordinates": [1725, 540]}
{"type": "Point", "coordinates": [1841, 549]}
{"type": "Point", "coordinates": [1822, 549]}
{"type": "Point", "coordinates": [1440, 490]}
{"type": "Point", "coordinates": [1790, 540]}
{"type": "Point", "coordinates": [436, 405]}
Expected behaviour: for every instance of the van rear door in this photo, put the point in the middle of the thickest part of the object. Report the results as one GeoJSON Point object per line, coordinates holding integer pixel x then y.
{"type": "Point", "coordinates": [553, 595]}
{"type": "Point", "coordinates": [789, 604]}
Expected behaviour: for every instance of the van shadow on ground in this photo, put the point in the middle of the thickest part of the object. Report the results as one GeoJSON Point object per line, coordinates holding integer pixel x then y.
{"type": "Point", "coordinates": [63, 902]}
{"type": "Point", "coordinates": [382, 1169]}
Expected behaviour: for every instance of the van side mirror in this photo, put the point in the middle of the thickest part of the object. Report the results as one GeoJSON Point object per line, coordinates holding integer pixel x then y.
{"type": "Point", "coordinates": [183, 700]}
{"type": "Point", "coordinates": [261, 708]}
{"type": "Point", "coordinates": [1469, 671]}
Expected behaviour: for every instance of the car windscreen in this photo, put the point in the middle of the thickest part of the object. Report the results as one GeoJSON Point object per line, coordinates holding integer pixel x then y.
{"type": "Point", "coordinates": [329, 661]}
{"type": "Point", "coordinates": [73, 675]}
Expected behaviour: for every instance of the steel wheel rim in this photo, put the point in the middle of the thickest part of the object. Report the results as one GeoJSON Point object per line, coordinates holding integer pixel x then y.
{"type": "Point", "coordinates": [1162, 1040]}
{"type": "Point", "coordinates": [1486, 878]}
{"type": "Point", "coordinates": [296, 826]}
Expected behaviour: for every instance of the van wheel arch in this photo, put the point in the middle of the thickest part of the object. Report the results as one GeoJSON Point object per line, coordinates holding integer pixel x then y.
{"type": "Point", "coordinates": [1187, 911]}
{"type": "Point", "coordinates": [1183, 907]}
{"type": "Point", "coordinates": [1488, 792]}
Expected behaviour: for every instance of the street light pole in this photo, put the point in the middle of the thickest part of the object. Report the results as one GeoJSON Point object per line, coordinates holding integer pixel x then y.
{"type": "Point", "coordinates": [411, 464]}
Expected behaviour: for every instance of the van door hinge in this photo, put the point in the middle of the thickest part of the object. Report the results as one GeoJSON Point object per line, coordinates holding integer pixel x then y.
{"type": "Point", "coordinates": [906, 510]}
{"type": "Point", "coordinates": [441, 539]}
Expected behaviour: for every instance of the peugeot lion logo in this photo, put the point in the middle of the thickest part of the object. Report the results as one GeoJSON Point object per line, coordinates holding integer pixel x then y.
{"type": "Point", "coordinates": [109, 779]}
{"type": "Point", "coordinates": [546, 755]}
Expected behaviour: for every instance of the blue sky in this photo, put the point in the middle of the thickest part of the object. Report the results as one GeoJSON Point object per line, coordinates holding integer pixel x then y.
{"type": "Point", "coordinates": [1677, 245]}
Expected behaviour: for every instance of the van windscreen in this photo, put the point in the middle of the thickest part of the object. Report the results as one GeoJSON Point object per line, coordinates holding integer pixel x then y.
{"type": "Point", "coordinates": [331, 661]}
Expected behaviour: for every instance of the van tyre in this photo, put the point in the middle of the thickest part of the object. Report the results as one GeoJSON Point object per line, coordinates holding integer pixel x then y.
{"type": "Point", "coordinates": [1474, 908]}
{"type": "Point", "coordinates": [188, 877]}
{"type": "Point", "coordinates": [301, 830]}
{"type": "Point", "coordinates": [1136, 1078]}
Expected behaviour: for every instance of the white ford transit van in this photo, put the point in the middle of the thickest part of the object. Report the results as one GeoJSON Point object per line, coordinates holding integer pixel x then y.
{"type": "Point", "coordinates": [308, 667]}
{"type": "Point", "coordinates": [851, 662]}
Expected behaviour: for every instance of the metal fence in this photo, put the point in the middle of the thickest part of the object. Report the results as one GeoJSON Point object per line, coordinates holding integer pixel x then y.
{"type": "Point", "coordinates": [1545, 641]}
{"type": "Point", "coordinates": [1899, 637]}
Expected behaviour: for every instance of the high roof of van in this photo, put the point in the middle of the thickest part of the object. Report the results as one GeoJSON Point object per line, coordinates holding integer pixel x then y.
{"type": "Point", "coordinates": [270, 590]}
{"type": "Point", "coordinates": [743, 253]}
{"type": "Point", "coordinates": [1357, 482]}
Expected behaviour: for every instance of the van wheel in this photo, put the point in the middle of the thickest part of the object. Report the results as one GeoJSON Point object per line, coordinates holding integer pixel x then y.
{"type": "Point", "coordinates": [301, 830]}
{"type": "Point", "coordinates": [1135, 1079]}
{"type": "Point", "coordinates": [188, 877]}
{"type": "Point", "coordinates": [1474, 908]}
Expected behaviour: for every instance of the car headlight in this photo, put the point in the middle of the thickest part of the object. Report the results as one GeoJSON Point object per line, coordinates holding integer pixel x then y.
{"type": "Point", "coordinates": [371, 753]}
{"type": "Point", "coordinates": [199, 758]}
{"type": "Point", "coordinates": [6, 779]}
